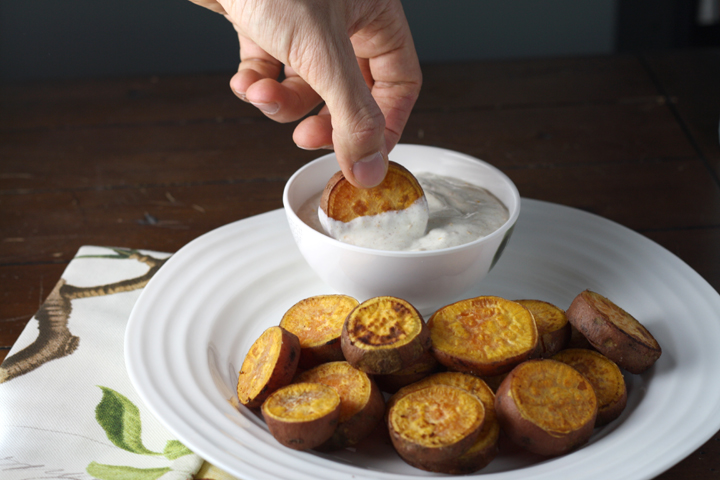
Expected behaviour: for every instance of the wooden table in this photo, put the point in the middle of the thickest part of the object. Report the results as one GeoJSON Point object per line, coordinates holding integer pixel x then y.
{"type": "Point", "coordinates": [154, 162]}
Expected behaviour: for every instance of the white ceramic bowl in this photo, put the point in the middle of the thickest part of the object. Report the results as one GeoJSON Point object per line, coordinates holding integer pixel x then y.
{"type": "Point", "coordinates": [427, 279]}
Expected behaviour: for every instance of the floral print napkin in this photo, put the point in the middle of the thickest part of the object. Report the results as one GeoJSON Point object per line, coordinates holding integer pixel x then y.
{"type": "Point", "coordinates": [67, 407]}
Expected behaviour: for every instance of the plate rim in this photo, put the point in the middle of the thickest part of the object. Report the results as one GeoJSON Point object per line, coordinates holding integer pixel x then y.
{"type": "Point", "coordinates": [278, 215]}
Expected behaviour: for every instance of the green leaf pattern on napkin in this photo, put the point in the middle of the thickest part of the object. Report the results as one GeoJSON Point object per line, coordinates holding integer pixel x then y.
{"type": "Point", "coordinates": [114, 472]}
{"type": "Point", "coordinates": [174, 449]}
{"type": "Point", "coordinates": [120, 419]}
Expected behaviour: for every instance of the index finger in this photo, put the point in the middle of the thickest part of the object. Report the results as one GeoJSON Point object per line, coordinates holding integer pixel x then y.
{"type": "Point", "coordinates": [255, 64]}
{"type": "Point", "coordinates": [394, 69]}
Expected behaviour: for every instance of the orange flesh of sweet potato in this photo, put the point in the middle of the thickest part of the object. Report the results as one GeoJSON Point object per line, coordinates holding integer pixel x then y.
{"type": "Point", "coordinates": [553, 398]}
{"type": "Point", "coordinates": [546, 407]}
{"type": "Point", "coordinates": [361, 403]}
{"type": "Point", "coordinates": [344, 202]}
{"type": "Point", "coordinates": [269, 364]}
{"type": "Point", "coordinates": [552, 324]}
{"type": "Point", "coordinates": [485, 448]}
{"type": "Point", "coordinates": [435, 423]}
{"type": "Point", "coordinates": [614, 332]}
{"type": "Point", "coordinates": [485, 336]}
{"type": "Point", "coordinates": [317, 321]}
{"type": "Point", "coordinates": [300, 402]}
{"type": "Point", "coordinates": [604, 376]}
{"type": "Point", "coordinates": [302, 415]}
{"type": "Point", "coordinates": [383, 335]}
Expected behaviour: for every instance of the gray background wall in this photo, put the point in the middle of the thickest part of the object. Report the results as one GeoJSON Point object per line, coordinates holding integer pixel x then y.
{"type": "Point", "coordinates": [95, 38]}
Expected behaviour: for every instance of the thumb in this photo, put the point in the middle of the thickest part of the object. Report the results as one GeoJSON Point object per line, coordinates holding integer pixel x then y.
{"type": "Point", "coordinates": [358, 131]}
{"type": "Point", "coordinates": [358, 124]}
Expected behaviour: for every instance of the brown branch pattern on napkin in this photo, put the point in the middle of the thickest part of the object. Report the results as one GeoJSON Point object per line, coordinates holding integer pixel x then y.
{"type": "Point", "coordinates": [54, 338]}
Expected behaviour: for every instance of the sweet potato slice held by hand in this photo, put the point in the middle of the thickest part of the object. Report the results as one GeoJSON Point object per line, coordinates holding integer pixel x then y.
{"type": "Point", "coordinates": [361, 403]}
{"type": "Point", "coordinates": [302, 415]}
{"type": "Point", "coordinates": [484, 336]}
{"type": "Point", "coordinates": [383, 335]}
{"type": "Point", "coordinates": [269, 364]}
{"type": "Point", "coordinates": [614, 332]}
{"type": "Point", "coordinates": [317, 321]}
{"type": "Point", "coordinates": [344, 202]}
{"type": "Point", "coordinates": [604, 376]}
{"type": "Point", "coordinates": [546, 407]}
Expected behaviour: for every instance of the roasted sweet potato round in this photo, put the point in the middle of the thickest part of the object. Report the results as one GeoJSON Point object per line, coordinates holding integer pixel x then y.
{"type": "Point", "coordinates": [485, 448]}
{"type": "Point", "coordinates": [344, 202]}
{"type": "Point", "coordinates": [552, 324]}
{"type": "Point", "coordinates": [302, 415]}
{"type": "Point", "coordinates": [604, 376]}
{"type": "Point", "coordinates": [317, 321]}
{"type": "Point", "coordinates": [383, 335]}
{"type": "Point", "coordinates": [270, 364]}
{"type": "Point", "coordinates": [484, 336]}
{"type": "Point", "coordinates": [546, 407]}
{"type": "Point", "coordinates": [361, 403]}
{"type": "Point", "coordinates": [435, 424]}
{"type": "Point", "coordinates": [614, 332]}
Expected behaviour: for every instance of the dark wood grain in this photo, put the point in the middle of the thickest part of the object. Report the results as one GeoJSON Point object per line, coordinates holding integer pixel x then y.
{"type": "Point", "coordinates": [158, 217]}
{"type": "Point", "coordinates": [690, 81]}
{"type": "Point", "coordinates": [555, 81]}
{"type": "Point", "coordinates": [153, 162]}
{"type": "Point", "coordinates": [574, 134]}
{"type": "Point", "coordinates": [135, 101]}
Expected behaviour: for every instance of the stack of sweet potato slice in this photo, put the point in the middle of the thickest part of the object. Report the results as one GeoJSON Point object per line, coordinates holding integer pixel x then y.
{"type": "Point", "coordinates": [476, 368]}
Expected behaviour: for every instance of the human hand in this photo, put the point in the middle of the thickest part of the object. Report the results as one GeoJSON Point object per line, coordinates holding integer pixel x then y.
{"type": "Point", "coordinates": [355, 55]}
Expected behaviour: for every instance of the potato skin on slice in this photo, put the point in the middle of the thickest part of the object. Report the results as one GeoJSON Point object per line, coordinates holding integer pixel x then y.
{"type": "Point", "coordinates": [546, 407]}
{"type": "Point", "coordinates": [344, 202]}
{"type": "Point", "coordinates": [423, 367]}
{"type": "Point", "coordinates": [302, 416]}
{"type": "Point", "coordinates": [485, 335]}
{"type": "Point", "coordinates": [270, 364]}
{"type": "Point", "coordinates": [614, 332]}
{"type": "Point", "coordinates": [361, 403]}
{"type": "Point", "coordinates": [383, 335]}
{"type": "Point", "coordinates": [578, 340]}
{"type": "Point", "coordinates": [485, 448]}
{"type": "Point", "coordinates": [317, 321]}
{"type": "Point", "coordinates": [552, 324]}
{"type": "Point", "coordinates": [605, 377]}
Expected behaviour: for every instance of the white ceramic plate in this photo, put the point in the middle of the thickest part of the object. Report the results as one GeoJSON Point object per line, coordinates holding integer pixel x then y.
{"type": "Point", "coordinates": [196, 319]}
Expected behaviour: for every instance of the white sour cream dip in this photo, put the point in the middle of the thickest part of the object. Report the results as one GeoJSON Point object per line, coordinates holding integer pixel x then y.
{"type": "Point", "coordinates": [393, 230]}
{"type": "Point", "coordinates": [452, 213]}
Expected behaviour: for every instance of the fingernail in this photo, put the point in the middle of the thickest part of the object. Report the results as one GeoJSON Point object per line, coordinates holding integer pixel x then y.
{"type": "Point", "coordinates": [322, 147]}
{"type": "Point", "coordinates": [241, 95]}
{"type": "Point", "coordinates": [269, 108]}
{"type": "Point", "coordinates": [370, 171]}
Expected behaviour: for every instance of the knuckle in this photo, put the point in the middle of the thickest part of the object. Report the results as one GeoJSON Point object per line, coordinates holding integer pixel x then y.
{"type": "Point", "coordinates": [366, 126]}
